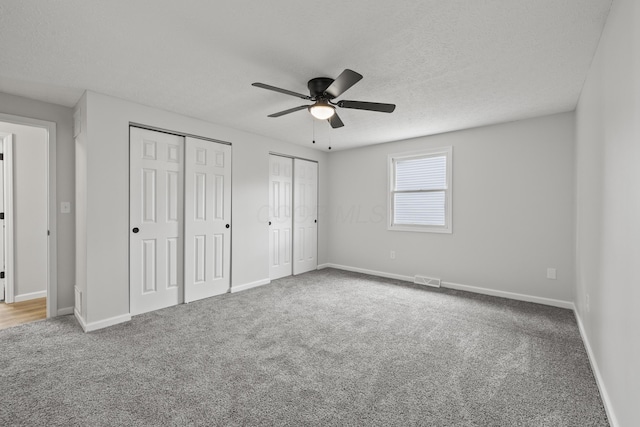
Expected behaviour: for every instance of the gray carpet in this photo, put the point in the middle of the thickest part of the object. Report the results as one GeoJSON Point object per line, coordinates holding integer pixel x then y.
{"type": "Point", "coordinates": [322, 349]}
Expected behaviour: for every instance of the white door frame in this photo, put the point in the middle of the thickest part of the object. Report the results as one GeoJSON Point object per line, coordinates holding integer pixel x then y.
{"type": "Point", "coordinates": [6, 139]}
{"type": "Point", "coordinates": [52, 253]}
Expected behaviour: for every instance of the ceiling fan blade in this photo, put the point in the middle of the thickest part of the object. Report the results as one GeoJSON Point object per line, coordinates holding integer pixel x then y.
{"type": "Point", "coordinates": [290, 110]}
{"type": "Point", "coordinates": [335, 121]}
{"type": "Point", "coordinates": [277, 89]}
{"type": "Point", "coordinates": [345, 80]}
{"type": "Point", "coordinates": [371, 106]}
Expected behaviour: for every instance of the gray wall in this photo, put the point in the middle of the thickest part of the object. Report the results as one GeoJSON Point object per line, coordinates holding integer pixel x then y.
{"type": "Point", "coordinates": [107, 198]}
{"type": "Point", "coordinates": [63, 117]}
{"type": "Point", "coordinates": [513, 210]}
{"type": "Point", "coordinates": [608, 212]}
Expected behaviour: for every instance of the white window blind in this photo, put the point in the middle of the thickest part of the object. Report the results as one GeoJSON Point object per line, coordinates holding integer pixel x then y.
{"type": "Point", "coordinates": [420, 193]}
{"type": "Point", "coordinates": [426, 173]}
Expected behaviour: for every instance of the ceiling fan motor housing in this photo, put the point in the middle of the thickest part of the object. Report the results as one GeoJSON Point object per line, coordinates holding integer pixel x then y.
{"type": "Point", "coordinates": [318, 86]}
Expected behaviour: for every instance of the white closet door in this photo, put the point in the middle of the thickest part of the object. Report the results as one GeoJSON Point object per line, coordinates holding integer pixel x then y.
{"type": "Point", "coordinates": [156, 209]}
{"type": "Point", "coordinates": [305, 215]}
{"type": "Point", "coordinates": [207, 219]}
{"type": "Point", "coordinates": [280, 219]}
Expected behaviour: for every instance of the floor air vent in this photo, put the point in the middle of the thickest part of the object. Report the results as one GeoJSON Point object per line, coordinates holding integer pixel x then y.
{"type": "Point", "coordinates": [426, 281]}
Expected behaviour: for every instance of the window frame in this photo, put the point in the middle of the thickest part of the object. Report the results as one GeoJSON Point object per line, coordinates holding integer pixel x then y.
{"type": "Point", "coordinates": [448, 190]}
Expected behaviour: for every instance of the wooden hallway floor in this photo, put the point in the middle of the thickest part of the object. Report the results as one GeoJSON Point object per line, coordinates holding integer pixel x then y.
{"type": "Point", "coordinates": [22, 312]}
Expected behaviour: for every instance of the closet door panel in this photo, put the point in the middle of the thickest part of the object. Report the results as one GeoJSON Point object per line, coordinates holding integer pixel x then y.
{"type": "Point", "coordinates": [305, 215]}
{"type": "Point", "coordinates": [280, 216]}
{"type": "Point", "coordinates": [156, 200]}
{"type": "Point", "coordinates": [207, 218]}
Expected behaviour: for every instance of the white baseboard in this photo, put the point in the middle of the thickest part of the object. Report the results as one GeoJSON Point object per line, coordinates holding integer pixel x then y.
{"type": "Point", "coordinates": [509, 295]}
{"type": "Point", "coordinates": [94, 326]}
{"type": "Point", "coordinates": [322, 266]}
{"type": "Point", "coordinates": [32, 295]}
{"type": "Point", "coordinates": [606, 401]}
{"type": "Point", "coordinates": [64, 311]}
{"type": "Point", "coordinates": [370, 272]}
{"type": "Point", "coordinates": [80, 320]}
{"type": "Point", "coordinates": [457, 286]}
{"type": "Point", "coordinates": [246, 286]}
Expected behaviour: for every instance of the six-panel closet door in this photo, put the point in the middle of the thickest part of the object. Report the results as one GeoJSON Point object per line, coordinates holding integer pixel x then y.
{"type": "Point", "coordinates": [293, 224]}
{"type": "Point", "coordinates": [305, 216]}
{"type": "Point", "coordinates": [280, 216]}
{"type": "Point", "coordinates": [207, 219]}
{"type": "Point", "coordinates": [156, 209]}
{"type": "Point", "coordinates": [180, 219]}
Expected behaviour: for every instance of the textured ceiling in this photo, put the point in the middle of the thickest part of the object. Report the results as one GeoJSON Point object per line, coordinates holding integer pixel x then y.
{"type": "Point", "coordinates": [447, 65]}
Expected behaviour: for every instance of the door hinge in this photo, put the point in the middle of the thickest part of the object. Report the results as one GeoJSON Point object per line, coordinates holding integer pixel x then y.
{"type": "Point", "coordinates": [1, 274]}
{"type": "Point", "coordinates": [48, 232]}
{"type": "Point", "coordinates": [1, 156]}
{"type": "Point", "coordinates": [1, 215]}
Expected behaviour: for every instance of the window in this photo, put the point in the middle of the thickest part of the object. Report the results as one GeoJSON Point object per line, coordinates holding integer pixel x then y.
{"type": "Point", "coordinates": [420, 191]}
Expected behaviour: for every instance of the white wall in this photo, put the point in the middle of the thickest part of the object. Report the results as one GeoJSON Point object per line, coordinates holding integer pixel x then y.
{"type": "Point", "coordinates": [608, 212]}
{"type": "Point", "coordinates": [513, 210]}
{"type": "Point", "coordinates": [62, 116]}
{"type": "Point", "coordinates": [30, 209]}
{"type": "Point", "coordinates": [107, 198]}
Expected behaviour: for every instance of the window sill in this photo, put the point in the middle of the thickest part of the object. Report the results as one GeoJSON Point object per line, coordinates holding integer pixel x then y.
{"type": "Point", "coordinates": [421, 229]}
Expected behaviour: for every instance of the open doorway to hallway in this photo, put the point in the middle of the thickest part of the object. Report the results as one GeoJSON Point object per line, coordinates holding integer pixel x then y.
{"type": "Point", "coordinates": [24, 223]}
{"type": "Point", "coordinates": [22, 312]}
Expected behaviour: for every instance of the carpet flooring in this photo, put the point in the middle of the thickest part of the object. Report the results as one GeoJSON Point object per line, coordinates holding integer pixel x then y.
{"type": "Point", "coordinates": [327, 348]}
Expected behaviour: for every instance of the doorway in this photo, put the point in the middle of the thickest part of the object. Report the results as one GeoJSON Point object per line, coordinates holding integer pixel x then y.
{"type": "Point", "coordinates": [28, 216]}
{"type": "Point", "coordinates": [293, 213]}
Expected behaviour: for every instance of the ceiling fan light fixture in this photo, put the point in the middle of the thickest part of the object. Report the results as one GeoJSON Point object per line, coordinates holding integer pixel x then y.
{"type": "Point", "coordinates": [322, 110]}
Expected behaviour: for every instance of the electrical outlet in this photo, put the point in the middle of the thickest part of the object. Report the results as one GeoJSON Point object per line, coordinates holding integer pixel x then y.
{"type": "Point", "coordinates": [551, 273]}
{"type": "Point", "coordinates": [393, 255]}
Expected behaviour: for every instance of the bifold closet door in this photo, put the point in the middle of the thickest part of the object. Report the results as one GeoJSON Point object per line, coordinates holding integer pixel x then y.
{"type": "Point", "coordinates": [156, 209]}
{"type": "Point", "coordinates": [305, 216]}
{"type": "Point", "coordinates": [207, 218]}
{"type": "Point", "coordinates": [280, 218]}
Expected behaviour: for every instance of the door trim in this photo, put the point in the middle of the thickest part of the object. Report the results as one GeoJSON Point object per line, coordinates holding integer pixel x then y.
{"type": "Point", "coordinates": [171, 132]}
{"type": "Point", "coordinates": [7, 150]}
{"type": "Point", "coordinates": [52, 202]}
{"type": "Point", "coordinates": [289, 156]}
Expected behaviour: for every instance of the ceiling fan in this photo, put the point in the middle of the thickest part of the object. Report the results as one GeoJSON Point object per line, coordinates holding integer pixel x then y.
{"type": "Point", "coordinates": [322, 91]}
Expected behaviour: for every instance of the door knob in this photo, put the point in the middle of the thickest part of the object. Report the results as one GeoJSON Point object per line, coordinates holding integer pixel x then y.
{"type": "Point", "coordinates": [269, 222]}
{"type": "Point", "coordinates": [227, 226]}
{"type": "Point", "coordinates": [135, 229]}
{"type": "Point", "coordinates": [315, 221]}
